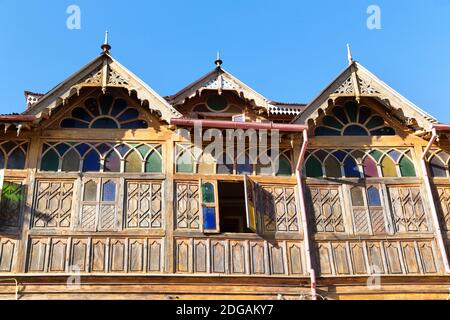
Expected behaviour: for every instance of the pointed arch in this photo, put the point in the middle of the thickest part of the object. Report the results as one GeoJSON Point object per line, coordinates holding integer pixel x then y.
{"type": "Point", "coordinates": [71, 161]}
{"type": "Point", "coordinates": [153, 162]}
{"type": "Point", "coordinates": [133, 162]}
{"type": "Point", "coordinates": [406, 167]}
{"type": "Point", "coordinates": [284, 166]}
{"type": "Point", "coordinates": [91, 162]}
{"type": "Point", "coordinates": [50, 160]}
{"type": "Point", "coordinates": [332, 167]}
{"type": "Point", "coordinates": [370, 167]}
{"type": "Point", "coordinates": [388, 167]}
{"type": "Point", "coordinates": [112, 162]}
{"type": "Point", "coordinates": [313, 167]}
{"type": "Point", "coordinates": [351, 168]}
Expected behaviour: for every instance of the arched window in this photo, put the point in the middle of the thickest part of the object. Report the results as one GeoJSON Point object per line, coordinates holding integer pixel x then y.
{"type": "Point", "coordinates": [91, 162]}
{"type": "Point", "coordinates": [16, 159]}
{"type": "Point", "coordinates": [243, 165]}
{"type": "Point", "coordinates": [206, 164]}
{"type": "Point", "coordinates": [109, 191]}
{"type": "Point", "coordinates": [313, 167]}
{"type": "Point", "coordinates": [90, 191]}
{"type": "Point", "coordinates": [406, 167]}
{"type": "Point", "coordinates": [71, 161]}
{"type": "Point", "coordinates": [351, 169]}
{"type": "Point", "coordinates": [332, 167]}
{"type": "Point", "coordinates": [388, 167]}
{"type": "Point", "coordinates": [112, 162]}
{"type": "Point", "coordinates": [370, 167]}
{"type": "Point", "coordinates": [353, 120]}
{"type": "Point", "coordinates": [50, 161]}
{"type": "Point", "coordinates": [284, 166]}
{"type": "Point", "coordinates": [185, 160]}
{"type": "Point", "coordinates": [153, 163]}
{"type": "Point", "coordinates": [104, 112]}
{"type": "Point", "coordinates": [373, 196]}
{"type": "Point", "coordinates": [437, 164]}
{"type": "Point", "coordinates": [133, 162]}
{"type": "Point", "coordinates": [225, 165]}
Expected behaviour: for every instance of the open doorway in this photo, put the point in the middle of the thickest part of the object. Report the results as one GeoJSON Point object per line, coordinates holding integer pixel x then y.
{"type": "Point", "coordinates": [232, 207]}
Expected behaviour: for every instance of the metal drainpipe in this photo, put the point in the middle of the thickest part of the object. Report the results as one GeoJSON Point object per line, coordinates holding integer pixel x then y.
{"type": "Point", "coordinates": [312, 272]}
{"type": "Point", "coordinates": [434, 212]}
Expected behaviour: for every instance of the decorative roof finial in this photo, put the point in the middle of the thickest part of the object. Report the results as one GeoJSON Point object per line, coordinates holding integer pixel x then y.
{"type": "Point", "coordinates": [349, 55]}
{"type": "Point", "coordinates": [105, 46]}
{"type": "Point", "coordinates": [218, 61]}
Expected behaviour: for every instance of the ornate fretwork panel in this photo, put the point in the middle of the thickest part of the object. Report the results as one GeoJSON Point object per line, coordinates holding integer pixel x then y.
{"type": "Point", "coordinates": [408, 210]}
{"type": "Point", "coordinates": [346, 87]}
{"type": "Point", "coordinates": [443, 204]}
{"type": "Point", "coordinates": [279, 209]}
{"type": "Point", "coordinates": [187, 205]}
{"type": "Point", "coordinates": [10, 204]}
{"type": "Point", "coordinates": [53, 204]}
{"type": "Point", "coordinates": [325, 207]}
{"type": "Point", "coordinates": [144, 205]}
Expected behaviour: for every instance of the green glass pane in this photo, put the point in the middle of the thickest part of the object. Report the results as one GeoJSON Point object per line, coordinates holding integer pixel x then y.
{"type": "Point", "coordinates": [50, 161]}
{"type": "Point", "coordinates": [374, 122]}
{"type": "Point", "coordinates": [184, 163]}
{"type": "Point", "coordinates": [352, 111]}
{"type": "Point", "coordinates": [153, 163]}
{"type": "Point", "coordinates": [71, 161]}
{"type": "Point", "coordinates": [11, 192]}
{"type": "Point", "coordinates": [208, 192]}
{"type": "Point", "coordinates": [331, 122]}
{"type": "Point", "coordinates": [407, 167]}
{"type": "Point", "coordinates": [143, 149]}
{"type": "Point", "coordinates": [313, 168]}
{"type": "Point", "coordinates": [376, 154]}
{"type": "Point", "coordinates": [90, 191]}
{"type": "Point", "coordinates": [284, 167]}
{"type": "Point", "coordinates": [133, 163]}
{"type": "Point", "coordinates": [217, 103]}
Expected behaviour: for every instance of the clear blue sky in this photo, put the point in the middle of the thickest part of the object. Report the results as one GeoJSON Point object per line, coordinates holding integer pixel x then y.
{"type": "Point", "coordinates": [287, 50]}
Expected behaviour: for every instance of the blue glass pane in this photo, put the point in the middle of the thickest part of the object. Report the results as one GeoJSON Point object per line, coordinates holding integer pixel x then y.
{"type": "Point", "coordinates": [104, 123]}
{"type": "Point", "coordinates": [350, 168]}
{"type": "Point", "coordinates": [109, 191]}
{"type": "Point", "coordinates": [73, 123]}
{"type": "Point", "coordinates": [81, 114]}
{"type": "Point", "coordinates": [16, 160]}
{"type": "Point", "coordinates": [374, 196]}
{"type": "Point", "coordinates": [91, 105]}
{"type": "Point", "coordinates": [340, 114]}
{"type": "Point", "coordinates": [123, 149]}
{"type": "Point", "coordinates": [8, 146]}
{"type": "Point", "coordinates": [364, 114]}
{"type": "Point", "coordinates": [375, 121]}
{"type": "Point", "coordinates": [103, 148]}
{"type": "Point", "coordinates": [62, 148]}
{"type": "Point", "coordinates": [129, 114]}
{"type": "Point", "coordinates": [45, 147]}
{"type": "Point", "coordinates": [340, 155]}
{"type": "Point", "coordinates": [119, 105]}
{"type": "Point", "coordinates": [355, 130]}
{"type": "Point", "coordinates": [2, 161]}
{"type": "Point", "coordinates": [224, 168]}
{"type": "Point", "coordinates": [385, 131]}
{"type": "Point", "coordinates": [91, 162]}
{"type": "Point", "coordinates": [209, 218]}
{"type": "Point", "coordinates": [138, 124]}
{"type": "Point", "coordinates": [82, 148]}
{"type": "Point", "coordinates": [352, 111]}
{"type": "Point", "coordinates": [322, 131]}
{"type": "Point", "coordinates": [394, 154]}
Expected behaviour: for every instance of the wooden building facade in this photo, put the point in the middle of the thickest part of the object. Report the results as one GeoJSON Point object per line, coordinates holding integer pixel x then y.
{"type": "Point", "coordinates": [103, 197]}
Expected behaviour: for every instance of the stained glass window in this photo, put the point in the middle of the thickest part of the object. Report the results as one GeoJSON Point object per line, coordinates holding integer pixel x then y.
{"type": "Point", "coordinates": [225, 165]}
{"type": "Point", "coordinates": [388, 167]}
{"type": "Point", "coordinates": [243, 165]}
{"type": "Point", "coordinates": [71, 161]}
{"type": "Point", "coordinates": [209, 218]}
{"type": "Point", "coordinates": [185, 163]}
{"type": "Point", "coordinates": [109, 191]}
{"type": "Point", "coordinates": [112, 162]}
{"type": "Point", "coordinates": [370, 167]}
{"type": "Point", "coordinates": [104, 113]}
{"type": "Point", "coordinates": [206, 164]}
{"type": "Point", "coordinates": [91, 162]}
{"type": "Point", "coordinates": [313, 168]}
{"type": "Point", "coordinates": [353, 120]}
{"type": "Point", "coordinates": [133, 162]}
{"type": "Point", "coordinates": [373, 195]}
{"type": "Point", "coordinates": [332, 168]}
{"type": "Point", "coordinates": [351, 168]}
{"type": "Point", "coordinates": [154, 162]}
{"type": "Point", "coordinates": [16, 159]}
{"type": "Point", "coordinates": [284, 166]}
{"type": "Point", "coordinates": [50, 161]}
{"type": "Point", "coordinates": [90, 191]}
{"type": "Point", "coordinates": [407, 167]}
{"type": "Point", "coordinates": [208, 192]}
{"type": "Point", "coordinates": [437, 167]}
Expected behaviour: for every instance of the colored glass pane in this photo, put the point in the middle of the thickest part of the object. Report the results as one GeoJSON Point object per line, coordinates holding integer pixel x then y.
{"type": "Point", "coordinates": [407, 167]}
{"type": "Point", "coordinates": [133, 162]}
{"type": "Point", "coordinates": [185, 163]}
{"type": "Point", "coordinates": [355, 130]}
{"type": "Point", "coordinates": [50, 161]}
{"type": "Point", "coordinates": [370, 167]}
{"type": "Point", "coordinates": [208, 192]}
{"type": "Point", "coordinates": [129, 114]}
{"type": "Point", "coordinates": [81, 114]}
{"type": "Point", "coordinates": [119, 106]}
{"type": "Point", "coordinates": [388, 167]}
{"type": "Point", "coordinates": [112, 162]}
{"type": "Point", "coordinates": [91, 162]}
{"type": "Point", "coordinates": [82, 148]}
{"type": "Point", "coordinates": [437, 167]}
{"type": "Point", "coordinates": [376, 154]}
{"type": "Point", "coordinates": [16, 159]}
{"type": "Point", "coordinates": [73, 123]}
{"type": "Point", "coordinates": [284, 167]}
{"type": "Point", "coordinates": [364, 114]}
{"type": "Point", "coordinates": [243, 165]}
{"type": "Point", "coordinates": [331, 122]}
{"type": "Point", "coordinates": [104, 123]}
{"type": "Point", "coordinates": [332, 168]}
{"type": "Point", "coordinates": [92, 106]}
{"type": "Point", "coordinates": [209, 218]}
{"type": "Point", "coordinates": [394, 154]}
{"type": "Point", "coordinates": [105, 103]}
{"type": "Point", "coordinates": [350, 168]}
{"type": "Point", "coordinates": [71, 161]}
{"type": "Point", "coordinates": [153, 163]}
{"type": "Point", "coordinates": [109, 191]}
{"type": "Point", "coordinates": [217, 103]}
{"type": "Point", "coordinates": [357, 196]}
{"type": "Point", "coordinates": [352, 111]}
{"type": "Point", "coordinates": [2, 160]}
{"type": "Point", "coordinates": [373, 196]}
{"type": "Point", "coordinates": [340, 114]}
{"type": "Point", "coordinates": [323, 131]}
{"type": "Point", "coordinates": [62, 148]}
{"type": "Point", "coordinates": [374, 122]}
{"type": "Point", "coordinates": [313, 168]}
